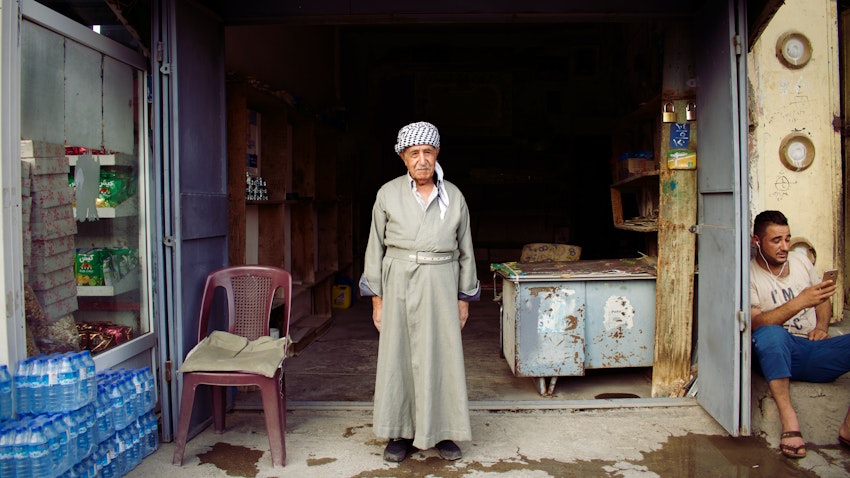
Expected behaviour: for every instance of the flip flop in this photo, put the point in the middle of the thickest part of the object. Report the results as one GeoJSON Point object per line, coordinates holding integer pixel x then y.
{"type": "Point", "coordinates": [844, 441]}
{"type": "Point", "coordinates": [792, 451]}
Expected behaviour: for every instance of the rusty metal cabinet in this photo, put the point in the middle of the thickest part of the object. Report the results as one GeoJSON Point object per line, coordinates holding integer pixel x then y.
{"type": "Point", "coordinates": [554, 326]}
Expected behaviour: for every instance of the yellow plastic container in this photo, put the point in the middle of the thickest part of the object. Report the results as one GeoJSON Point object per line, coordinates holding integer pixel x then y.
{"type": "Point", "coordinates": [341, 296]}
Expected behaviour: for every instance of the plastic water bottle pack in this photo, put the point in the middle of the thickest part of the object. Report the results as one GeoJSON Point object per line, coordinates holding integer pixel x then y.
{"type": "Point", "coordinates": [99, 425]}
{"type": "Point", "coordinates": [55, 382]}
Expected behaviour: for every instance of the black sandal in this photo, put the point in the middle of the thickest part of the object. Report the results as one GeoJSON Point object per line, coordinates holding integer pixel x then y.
{"type": "Point", "coordinates": [792, 451]}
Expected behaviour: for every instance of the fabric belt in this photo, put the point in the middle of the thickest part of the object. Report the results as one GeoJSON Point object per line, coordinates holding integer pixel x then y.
{"type": "Point", "coordinates": [421, 257]}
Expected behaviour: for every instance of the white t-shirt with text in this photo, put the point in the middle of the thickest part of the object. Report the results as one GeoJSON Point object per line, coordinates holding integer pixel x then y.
{"type": "Point", "coordinates": [768, 292]}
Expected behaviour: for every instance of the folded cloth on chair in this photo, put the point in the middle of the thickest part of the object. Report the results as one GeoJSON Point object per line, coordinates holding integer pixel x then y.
{"type": "Point", "coordinates": [226, 352]}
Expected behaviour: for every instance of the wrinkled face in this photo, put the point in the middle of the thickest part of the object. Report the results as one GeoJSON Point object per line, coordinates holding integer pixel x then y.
{"type": "Point", "coordinates": [420, 160]}
{"type": "Point", "coordinates": [775, 244]}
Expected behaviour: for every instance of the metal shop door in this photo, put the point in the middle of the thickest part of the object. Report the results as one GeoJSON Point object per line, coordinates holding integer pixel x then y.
{"type": "Point", "coordinates": [190, 142]}
{"type": "Point", "coordinates": [723, 348]}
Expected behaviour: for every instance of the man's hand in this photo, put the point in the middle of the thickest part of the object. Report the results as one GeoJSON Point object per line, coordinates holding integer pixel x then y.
{"type": "Point", "coordinates": [818, 334]}
{"type": "Point", "coordinates": [814, 295]}
{"type": "Point", "coordinates": [463, 312]}
{"type": "Point", "coordinates": [377, 307]}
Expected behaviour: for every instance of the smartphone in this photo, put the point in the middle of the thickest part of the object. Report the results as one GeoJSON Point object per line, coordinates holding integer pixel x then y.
{"type": "Point", "coordinates": [831, 274]}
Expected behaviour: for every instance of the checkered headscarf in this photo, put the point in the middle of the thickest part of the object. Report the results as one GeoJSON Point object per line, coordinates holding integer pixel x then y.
{"type": "Point", "coordinates": [417, 133]}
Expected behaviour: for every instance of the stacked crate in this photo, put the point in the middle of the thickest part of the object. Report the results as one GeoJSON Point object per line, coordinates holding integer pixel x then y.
{"type": "Point", "coordinates": [49, 228]}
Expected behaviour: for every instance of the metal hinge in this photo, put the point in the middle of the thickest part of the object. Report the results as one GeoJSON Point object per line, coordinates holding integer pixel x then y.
{"type": "Point", "coordinates": [165, 68]}
{"type": "Point", "coordinates": [168, 241]}
{"type": "Point", "coordinates": [167, 370]}
{"type": "Point", "coordinates": [742, 321]}
{"type": "Point", "coordinates": [695, 229]}
{"type": "Point", "coordinates": [736, 40]}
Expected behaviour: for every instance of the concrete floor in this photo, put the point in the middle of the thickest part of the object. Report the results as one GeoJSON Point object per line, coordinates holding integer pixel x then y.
{"type": "Point", "coordinates": [516, 432]}
{"type": "Point", "coordinates": [340, 366]}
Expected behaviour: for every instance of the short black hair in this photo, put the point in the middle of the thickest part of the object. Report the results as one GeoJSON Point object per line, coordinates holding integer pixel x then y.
{"type": "Point", "coordinates": [765, 219]}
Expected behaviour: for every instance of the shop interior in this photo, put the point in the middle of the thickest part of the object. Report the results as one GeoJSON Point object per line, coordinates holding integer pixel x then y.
{"type": "Point", "coordinates": [533, 121]}
{"type": "Point", "coordinates": [531, 116]}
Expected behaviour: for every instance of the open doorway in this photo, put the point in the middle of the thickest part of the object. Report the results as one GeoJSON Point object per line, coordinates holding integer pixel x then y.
{"type": "Point", "coordinates": [532, 116]}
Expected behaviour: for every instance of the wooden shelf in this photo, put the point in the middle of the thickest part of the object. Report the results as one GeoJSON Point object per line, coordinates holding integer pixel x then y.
{"type": "Point", "coordinates": [633, 180]}
{"type": "Point", "coordinates": [638, 225]}
{"type": "Point", "coordinates": [308, 230]}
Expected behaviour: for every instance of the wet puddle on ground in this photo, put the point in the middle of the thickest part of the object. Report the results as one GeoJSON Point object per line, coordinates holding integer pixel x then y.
{"type": "Point", "coordinates": [692, 455]}
{"type": "Point", "coordinates": [233, 460]}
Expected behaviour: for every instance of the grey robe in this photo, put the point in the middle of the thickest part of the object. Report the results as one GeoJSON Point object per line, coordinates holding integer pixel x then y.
{"type": "Point", "coordinates": [420, 386]}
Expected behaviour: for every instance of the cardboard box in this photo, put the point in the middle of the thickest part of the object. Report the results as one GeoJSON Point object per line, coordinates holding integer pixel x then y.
{"type": "Point", "coordinates": [53, 197]}
{"type": "Point", "coordinates": [26, 180]}
{"type": "Point", "coordinates": [40, 149]}
{"type": "Point", "coordinates": [56, 213]}
{"type": "Point", "coordinates": [57, 310]}
{"type": "Point", "coordinates": [57, 294]}
{"type": "Point", "coordinates": [42, 166]}
{"type": "Point", "coordinates": [55, 262]}
{"type": "Point", "coordinates": [51, 279]}
{"type": "Point", "coordinates": [49, 182]}
{"type": "Point", "coordinates": [51, 230]}
{"type": "Point", "coordinates": [53, 246]}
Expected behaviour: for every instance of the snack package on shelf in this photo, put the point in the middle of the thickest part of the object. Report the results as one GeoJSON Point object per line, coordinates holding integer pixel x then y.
{"type": "Point", "coordinates": [104, 265]}
{"type": "Point", "coordinates": [88, 267]}
{"type": "Point", "coordinates": [116, 186]}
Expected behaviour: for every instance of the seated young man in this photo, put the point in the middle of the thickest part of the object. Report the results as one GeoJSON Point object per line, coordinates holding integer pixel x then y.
{"type": "Point", "coordinates": [790, 321]}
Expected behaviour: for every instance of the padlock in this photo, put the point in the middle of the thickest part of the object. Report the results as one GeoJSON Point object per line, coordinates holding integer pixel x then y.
{"type": "Point", "coordinates": [668, 113]}
{"type": "Point", "coordinates": [691, 111]}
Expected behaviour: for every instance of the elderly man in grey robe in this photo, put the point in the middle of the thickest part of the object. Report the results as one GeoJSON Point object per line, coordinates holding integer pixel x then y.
{"type": "Point", "coordinates": [420, 272]}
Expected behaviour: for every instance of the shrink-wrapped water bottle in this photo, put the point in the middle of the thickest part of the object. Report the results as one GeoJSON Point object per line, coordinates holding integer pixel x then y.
{"type": "Point", "coordinates": [125, 441]}
{"type": "Point", "coordinates": [136, 444]}
{"type": "Point", "coordinates": [116, 459]}
{"type": "Point", "coordinates": [21, 451]}
{"type": "Point", "coordinates": [105, 466]}
{"type": "Point", "coordinates": [6, 411]}
{"type": "Point", "coordinates": [68, 380]}
{"type": "Point", "coordinates": [105, 425]}
{"type": "Point", "coordinates": [40, 384]}
{"type": "Point", "coordinates": [132, 400]}
{"type": "Point", "coordinates": [122, 402]}
{"type": "Point", "coordinates": [58, 457]}
{"type": "Point", "coordinates": [39, 454]}
{"type": "Point", "coordinates": [150, 388]}
{"type": "Point", "coordinates": [151, 434]}
{"type": "Point", "coordinates": [85, 418]}
{"type": "Point", "coordinates": [73, 434]}
{"type": "Point", "coordinates": [88, 377]}
{"type": "Point", "coordinates": [23, 386]}
{"type": "Point", "coordinates": [51, 393]}
{"type": "Point", "coordinates": [81, 393]}
{"type": "Point", "coordinates": [7, 457]}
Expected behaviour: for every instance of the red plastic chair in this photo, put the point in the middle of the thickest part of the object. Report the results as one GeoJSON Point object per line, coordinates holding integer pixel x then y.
{"type": "Point", "coordinates": [250, 291]}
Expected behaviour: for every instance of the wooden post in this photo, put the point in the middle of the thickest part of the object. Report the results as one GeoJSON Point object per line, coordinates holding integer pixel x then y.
{"type": "Point", "coordinates": [237, 137]}
{"type": "Point", "coordinates": [676, 244]}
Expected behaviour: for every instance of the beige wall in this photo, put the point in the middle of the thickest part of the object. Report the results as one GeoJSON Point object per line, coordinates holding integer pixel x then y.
{"type": "Point", "coordinates": [803, 100]}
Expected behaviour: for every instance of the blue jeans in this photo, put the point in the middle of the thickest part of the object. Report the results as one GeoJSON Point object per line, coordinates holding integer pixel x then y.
{"type": "Point", "coordinates": [782, 355]}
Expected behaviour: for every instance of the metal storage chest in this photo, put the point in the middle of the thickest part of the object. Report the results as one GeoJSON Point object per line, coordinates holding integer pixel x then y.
{"type": "Point", "coordinates": [561, 318]}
